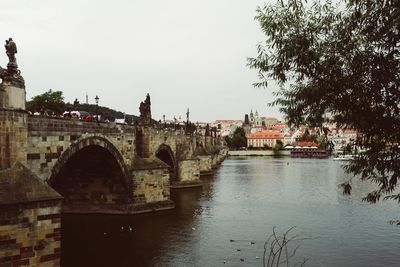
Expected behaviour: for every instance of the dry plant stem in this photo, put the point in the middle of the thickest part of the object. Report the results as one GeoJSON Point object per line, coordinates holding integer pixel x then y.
{"type": "Point", "coordinates": [277, 247]}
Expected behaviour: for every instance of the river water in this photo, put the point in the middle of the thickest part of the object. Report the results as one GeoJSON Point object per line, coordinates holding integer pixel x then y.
{"type": "Point", "coordinates": [226, 222]}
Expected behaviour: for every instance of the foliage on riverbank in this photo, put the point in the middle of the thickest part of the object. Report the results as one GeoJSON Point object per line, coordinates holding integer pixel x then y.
{"type": "Point", "coordinates": [237, 140]}
{"type": "Point", "coordinates": [342, 61]}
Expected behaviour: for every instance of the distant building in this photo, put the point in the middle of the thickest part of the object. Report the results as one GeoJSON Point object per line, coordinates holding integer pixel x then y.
{"type": "Point", "coordinates": [246, 125]}
{"type": "Point", "coordinates": [264, 138]}
{"type": "Point", "coordinates": [342, 137]}
{"type": "Point", "coordinates": [227, 127]}
{"type": "Point", "coordinates": [270, 120]}
{"type": "Point", "coordinates": [254, 120]}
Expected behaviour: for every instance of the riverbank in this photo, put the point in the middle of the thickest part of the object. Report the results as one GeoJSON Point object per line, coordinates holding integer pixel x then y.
{"type": "Point", "coordinates": [258, 153]}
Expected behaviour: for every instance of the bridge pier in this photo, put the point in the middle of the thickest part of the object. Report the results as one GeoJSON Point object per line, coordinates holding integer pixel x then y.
{"type": "Point", "coordinates": [188, 174]}
{"type": "Point", "coordinates": [151, 183]}
{"type": "Point", "coordinates": [206, 166]}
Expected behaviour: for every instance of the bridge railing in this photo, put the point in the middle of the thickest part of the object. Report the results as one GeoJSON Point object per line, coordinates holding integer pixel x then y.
{"type": "Point", "coordinates": [57, 124]}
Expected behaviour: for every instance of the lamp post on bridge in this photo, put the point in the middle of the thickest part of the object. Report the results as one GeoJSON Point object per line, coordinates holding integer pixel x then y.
{"type": "Point", "coordinates": [97, 107]}
{"type": "Point", "coordinates": [187, 122]}
{"type": "Point", "coordinates": [175, 123]}
{"type": "Point", "coordinates": [165, 124]}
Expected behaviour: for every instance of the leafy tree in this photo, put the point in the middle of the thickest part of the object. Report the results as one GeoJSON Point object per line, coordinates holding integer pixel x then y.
{"type": "Point", "coordinates": [238, 139]}
{"type": "Point", "coordinates": [50, 100]}
{"type": "Point", "coordinates": [344, 60]}
{"type": "Point", "coordinates": [54, 101]}
{"type": "Point", "coordinates": [307, 137]}
{"type": "Point", "coordinates": [323, 142]}
{"type": "Point", "coordinates": [267, 147]}
{"type": "Point", "coordinates": [278, 146]}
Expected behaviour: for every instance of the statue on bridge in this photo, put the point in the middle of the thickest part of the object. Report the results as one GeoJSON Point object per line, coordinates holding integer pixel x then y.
{"type": "Point", "coordinates": [145, 111]}
{"type": "Point", "coordinates": [11, 50]}
{"type": "Point", "coordinates": [207, 133]}
{"type": "Point", "coordinates": [12, 74]}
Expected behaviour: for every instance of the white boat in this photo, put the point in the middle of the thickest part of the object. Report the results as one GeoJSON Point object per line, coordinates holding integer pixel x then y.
{"type": "Point", "coordinates": [344, 157]}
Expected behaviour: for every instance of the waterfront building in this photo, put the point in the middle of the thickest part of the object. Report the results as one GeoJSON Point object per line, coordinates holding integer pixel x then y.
{"type": "Point", "coordinates": [342, 137]}
{"type": "Point", "coordinates": [287, 138]}
{"type": "Point", "coordinates": [264, 138]}
{"type": "Point", "coordinates": [306, 149]}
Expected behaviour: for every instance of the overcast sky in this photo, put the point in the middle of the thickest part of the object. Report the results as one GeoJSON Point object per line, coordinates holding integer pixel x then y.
{"type": "Point", "coordinates": [185, 53]}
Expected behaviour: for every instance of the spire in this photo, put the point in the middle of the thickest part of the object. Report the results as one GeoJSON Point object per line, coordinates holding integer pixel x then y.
{"type": "Point", "coordinates": [246, 119]}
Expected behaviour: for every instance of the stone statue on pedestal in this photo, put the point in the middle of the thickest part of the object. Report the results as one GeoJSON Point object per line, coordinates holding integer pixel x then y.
{"type": "Point", "coordinates": [145, 111]}
{"type": "Point", "coordinates": [207, 133]}
{"type": "Point", "coordinates": [12, 75]}
{"type": "Point", "coordinates": [11, 50]}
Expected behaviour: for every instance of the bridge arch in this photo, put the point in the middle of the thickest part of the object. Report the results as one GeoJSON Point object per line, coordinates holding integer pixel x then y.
{"type": "Point", "coordinates": [92, 170]}
{"type": "Point", "coordinates": [165, 154]}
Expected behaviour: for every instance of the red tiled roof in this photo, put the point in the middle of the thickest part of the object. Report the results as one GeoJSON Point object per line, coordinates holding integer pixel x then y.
{"type": "Point", "coordinates": [238, 121]}
{"type": "Point", "coordinates": [266, 135]}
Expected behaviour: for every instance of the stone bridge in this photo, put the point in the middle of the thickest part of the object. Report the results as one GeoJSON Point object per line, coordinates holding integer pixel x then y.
{"type": "Point", "coordinates": [53, 165]}
{"type": "Point", "coordinates": [100, 167]}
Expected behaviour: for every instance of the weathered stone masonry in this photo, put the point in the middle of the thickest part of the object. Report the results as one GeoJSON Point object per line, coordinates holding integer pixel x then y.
{"type": "Point", "coordinates": [48, 138]}
{"type": "Point", "coordinates": [30, 220]}
{"type": "Point", "coordinates": [13, 137]}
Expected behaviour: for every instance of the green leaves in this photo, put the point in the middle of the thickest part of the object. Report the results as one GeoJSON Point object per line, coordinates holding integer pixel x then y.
{"type": "Point", "coordinates": [341, 59]}
{"type": "Point", "coordinates": [238, 139]}
{"type": "Point", "coordinates": [52, 101]}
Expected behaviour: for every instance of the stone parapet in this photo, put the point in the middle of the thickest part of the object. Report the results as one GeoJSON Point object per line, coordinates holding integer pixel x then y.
{"type": "Point", "coordinates": [43, 126]}
{"type": "Point", "coordinates": [49, 137]}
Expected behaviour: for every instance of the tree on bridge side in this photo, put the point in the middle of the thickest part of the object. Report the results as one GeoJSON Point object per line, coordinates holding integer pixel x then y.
{"type": "Point", "coordinates": [344, 60]}
{"type": "Point", "coordinates": [50, 100]}
{"type": "Point", "coordinates": [54, 101]}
